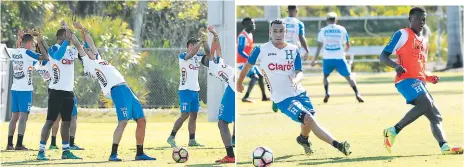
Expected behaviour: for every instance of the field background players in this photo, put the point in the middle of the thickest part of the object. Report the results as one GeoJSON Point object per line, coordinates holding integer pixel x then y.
{"type": "Point", "coordinates": [23, 60]}
{"type": "Point", "coordinates": [334, 41]}
{"type": "Point", "coordinates": [113, 85]}
{"type": "Point", "coordinates": [189, 66]}
{"type": "Point", "coordinates": [226, 113]}
{"type": "Point", "coordinates": [282, 65]}
{"type": "Point", "coordinates": [244, 48]}
{"type": "Point", "coordinates": [411, 48]}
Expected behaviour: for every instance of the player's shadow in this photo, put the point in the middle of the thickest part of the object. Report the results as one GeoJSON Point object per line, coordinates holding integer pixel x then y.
{"type": "Point", "coordinates": [49, 162]}
{"type": "Point", "coordinates": [203, 165]}
{"type": "Point", "coordinates": [347, 159]}
{"type": "Point", "coordinates": [188, 148]}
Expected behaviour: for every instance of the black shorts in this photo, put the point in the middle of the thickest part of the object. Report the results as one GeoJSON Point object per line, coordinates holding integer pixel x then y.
{"type": "Point", "coordinates": [60, 102]}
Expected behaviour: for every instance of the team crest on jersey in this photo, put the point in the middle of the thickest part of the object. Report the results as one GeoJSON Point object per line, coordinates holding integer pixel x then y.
{"type": "Point", "coordinates": [183, 74]}
{"type": "Point", "coordinates": [56, 73]}
{"type": "Point", "coordinates": [101, 77]}
{"type": "Point", "coordinates": [29, 73]}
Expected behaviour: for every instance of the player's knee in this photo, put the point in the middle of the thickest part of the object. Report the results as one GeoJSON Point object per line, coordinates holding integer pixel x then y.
{"type": "Point", "coordinates": [122, 123]}
{"type": "Point", "coordinates": [184, 115]}
{"type": "Point", "coordinates": [48, 124]}
{"type": "Point", "coordinates": [141, 121]}
{"type": "Point", "coordinates": [15, 117]}
{"type": "Point", "coordinates": [193, 115]}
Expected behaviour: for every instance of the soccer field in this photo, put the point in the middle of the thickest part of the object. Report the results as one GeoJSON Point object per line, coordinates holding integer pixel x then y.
{"type": "Point", "coordinates": [95, 134]}
{"type": "Point", "coordinates": [360, 124]}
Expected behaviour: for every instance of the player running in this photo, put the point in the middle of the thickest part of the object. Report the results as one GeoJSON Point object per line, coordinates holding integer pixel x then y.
{"type": "Point", "coordinates": [281, 64]}
{"type": "Point", "coordinates": [336, 44]}
{"type": "Point", "coordinates": [245, 45]}
{"type": "Point", "coordinates": [113, 85]}
{"type": "Point", "coordinates": [23, 60]}
{"type": "Point", "coordinates": [412, 50]}
{"type": "Point", "coordinates": [189, 65]}
{"type": "Point", "coordinates": [226, 115]}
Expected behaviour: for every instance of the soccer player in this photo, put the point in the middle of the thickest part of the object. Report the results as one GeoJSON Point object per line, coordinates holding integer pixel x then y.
{"type": "Point", "coordinates": [113, 85]}
{"type": "Point", "coordinates": [295, 31]}
{"type": "Point", "coordinates": [73, 127]}
{"type": "Point", "coordinates": [281, 64]}
{"type": "Point", "coordinates": [189, 65]}
{"type": "Point", "coordinates": [226, 75]}
{"type": "Point", "coordinates": [245, 45]}
{"type": "Point", "coordinates": [412, 50]}
{"type": "Point", "coordinates": [23, 60]}
{"type": "Point", "coordinates": [336, 44]}
{"type": "Point", "coordinates": [61, 95]}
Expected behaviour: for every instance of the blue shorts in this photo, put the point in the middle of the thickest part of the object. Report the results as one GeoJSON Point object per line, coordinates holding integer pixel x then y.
{"type": "Point", "coordinates": [74, 112]}
{"type": "Point", "coordinates": [126, 103]}
{"type": "Point", "coordinates": [253, 71]}
{"type": "Point", "coordinates": [328, 65]}
{"type": "Point", "coordinates": [227, 107]}
{"type": "Point", "coordinates": [293, 107]}
{"type": "Point", "coordinates": [21, 101]}
{"type": "Point", "coordinates": [411, 89]}
{"type": "Point", "coordinates": [189, 101]}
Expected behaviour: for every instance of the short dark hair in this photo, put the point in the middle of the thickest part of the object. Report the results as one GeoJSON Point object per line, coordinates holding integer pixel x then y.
{"type": "Point", "coordinates": [332, 19]}
{"type": "Point", "coordinates": [60, 33]}
{"type": "Point", "coordinates": [246, 20]}
{"type": "Point", "coordinates": [291, 7]}
{"type": "Point", "coordinates": [416, 9]}
{"type": "Point", "coordinates": [27, 38]}
{"type": "Point", "coordinates": [192, 41]}
{"type": "Point", "coordinates": [276, 22]}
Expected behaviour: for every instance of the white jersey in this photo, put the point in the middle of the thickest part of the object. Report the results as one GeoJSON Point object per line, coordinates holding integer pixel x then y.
{"type": "Point", "coordinates": [333, 38]}
{"type": "Point", "coordinates": [189, 72]}
{"type": "Point", "coordinates": [278, 67]}
{"type": "Point", "coordinates": [295, 28]}
{"type": "Point", "coordinates": [223, 72]}
{"type": "Point", "coordinates": [23, 61]}
{"type": "Point", "coordinates": [106, 74]}
{"type": "Point", "coordinates": [62, 68]}
{"type": "Point", "coordinates": [43, 70]}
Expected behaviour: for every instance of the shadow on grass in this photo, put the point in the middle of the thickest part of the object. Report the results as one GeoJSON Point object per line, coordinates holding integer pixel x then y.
{"type": "Point", "coordinates": [359, 159]}
{"type": "Point", "coordinates": [50, 162]}
{"type": "Point", "coordinates": [188, 148]}
{"type": "Point", "coordinates": [203, 165]}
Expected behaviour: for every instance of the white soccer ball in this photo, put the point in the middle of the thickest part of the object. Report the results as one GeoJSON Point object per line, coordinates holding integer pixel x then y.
{"type": "Point", "coordinates": [180, 154]}
{"type": "Point", "coordinates": [262, 157]}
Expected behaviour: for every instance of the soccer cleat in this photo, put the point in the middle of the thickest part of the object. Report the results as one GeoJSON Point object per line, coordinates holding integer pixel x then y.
{"type": "Point", "coordinates": [247, 100]}
{"type": "Point", "coordinates": [22, 148]}
{"type": "Point", "coordinates": [389, 135]}
{"type": "Point", "coordinates": [274, 107]}
{"type": "Point", "coordinates": [194, 143]}
{"type": "Point", "coordinates": [448, 150]}
{"type": "Point", "coordinates": [9, 147]}
{"type": "Point", "coordinates": [172, 142]}
{"type": "Point", "coordinates": [75, 147]}
{"type": "Point", "coordinates": [265, 99]}
{"type": "Point", "coordinates": [69, 155]}
{"type": "Point", "coordinates": [144, 157]}
{"type": "Point", "coordinates": [41, 156]}
{"type": "Point", "coordinates": [345, 148]}
{"type": "Point", "coordinates": [358, 97]}
{"type": "Point", "coordinates": [305, 144]}
{"type": "Point", "coordinates": [114, 157]}
{"type": "Point", "coordinates": [326, 98]}
{"type": "Point", "coordinates": [53, 147]}
{"type": "Point", "coordinates": [226, 159]}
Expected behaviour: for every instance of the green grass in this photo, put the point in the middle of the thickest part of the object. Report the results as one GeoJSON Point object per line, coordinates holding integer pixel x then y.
{"type": "Point", "coordinates": [95, 133]}
{"type": "Point", "coordinates": [360, 124]}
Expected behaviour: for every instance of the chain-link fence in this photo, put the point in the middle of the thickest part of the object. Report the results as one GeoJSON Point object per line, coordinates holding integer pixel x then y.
{"type": "Point", "coordinates": [151, 73]}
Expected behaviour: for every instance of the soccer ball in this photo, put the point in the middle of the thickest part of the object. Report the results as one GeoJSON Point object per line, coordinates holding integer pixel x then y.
{"type": "Point", "coordinates": [262, 157]}
{"type": "Point", "coordinates": [180, 154]}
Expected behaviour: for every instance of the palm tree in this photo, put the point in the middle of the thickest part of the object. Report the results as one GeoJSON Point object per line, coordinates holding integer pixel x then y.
{"type": "Point", "coordinates": [455, 36]}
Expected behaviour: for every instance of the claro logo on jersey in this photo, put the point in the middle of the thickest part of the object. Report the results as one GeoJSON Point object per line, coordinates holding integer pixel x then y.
{"type": "Point", "coordinates": [56, 73]}
{"type": "Point", "coordinates": [194, 67]}
{"type": "Point", "coordinates": [101, 77]}
{"type": "Point", "coordinates": [280, 67]}
{"type": "Point", "coordinates": [29, 74]}
{"type": "Point", "coordinates": [67, 61]}
{"type": "Point", "coordinates": [183, 75]}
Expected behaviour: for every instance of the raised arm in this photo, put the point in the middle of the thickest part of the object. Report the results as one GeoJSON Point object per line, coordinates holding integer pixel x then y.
{"type": "Point", "coordinates": [78, 45]}
{"type": "Point", "coordinates": [87, 38]}
{"type": "Point", "coordinates": [20, 38]}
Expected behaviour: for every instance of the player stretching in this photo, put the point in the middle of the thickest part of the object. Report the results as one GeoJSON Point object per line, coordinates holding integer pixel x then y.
{"type": "Point", "coordinates": [113, 84]}
{"type": "Point", "coordinates": [189, 64]}
{"type": "Point", "coordinates": [411, 50]}
{"type": "Point", "coordinates": [281, 64]}
{"type": "Point", "coordinates": [23, 60]}
{"type": "Point", "coordinates": [72, 130]}
{"type": "Point", "coordinates": [226, 115]}
{"type": "Point", "coordinates": [334, 38]}
{"type": "Point", "coordinates": [245, 45]}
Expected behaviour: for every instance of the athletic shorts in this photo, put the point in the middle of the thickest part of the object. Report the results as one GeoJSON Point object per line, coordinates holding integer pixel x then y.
{"type": "Point", "coordinates": [189, 101]}
{"type": "Point", "coordinates": [294, 107]}
{"type": "Point", "coordinates": [126, 103]}
{"type": "Point", "coordinates": [60, 102]}
{"type": "Point", "coordinates": [328, 65]}
{"type": "Point", "coordinates": [21, 101]}
{"type": "Point", "coordinates": [411, 88]}
{"type": "Point", "coordinates": [253, 71]}
{"type": "Point", "coordinates": [227, 107]}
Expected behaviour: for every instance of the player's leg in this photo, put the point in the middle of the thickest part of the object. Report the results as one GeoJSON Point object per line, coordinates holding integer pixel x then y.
{"type": "Point", "coordinates": [226, 115]}
{"type": "Point", "coordinates": [23, 116]}
{"type": "Point", "coordinates": [12, 128]}
{"type": "Point", "coordinates": [261, 86]}
{"type": "Point", "coordinates": [254, 78]}
{"type": "Point", "coordinates": [138, 115]}
{"type": "Point", "coordinates": [327, 68]}
{"type": "Point", "coordinates": [192, 124]}
{"type": "Point", "coordinates": [185, 105]}
{"type": "Point", "coordinates": [55, 103]}
{"type": "Point", "coordinates": [73, 128]}
{"type": "Point", "coordinates": [66, 114]}
{"type": "Point", "coordinates": [345, 71]}
{"type": "Point", "coordinates": [233, 137]}
{"type": "Point", "coordinates": [55, 129]}
{"type": "Point", "coordinates": [121, 103]}
{"type": "Point", "coordinates": [117, 135]}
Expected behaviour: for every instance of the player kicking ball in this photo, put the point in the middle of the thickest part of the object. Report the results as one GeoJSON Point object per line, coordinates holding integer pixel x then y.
{"type": "Point", "coordinates": [281, 64]}
{"type": "Point", "coordinates": [412, 49]}
{"type": "Point", "coordinates": [226, 75]}
{"type": "Point", "coordinates": [113, 85]}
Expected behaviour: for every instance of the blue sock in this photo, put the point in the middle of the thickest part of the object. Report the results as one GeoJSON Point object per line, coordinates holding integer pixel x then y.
{"type": "Point", "coordinates": [65, 145]}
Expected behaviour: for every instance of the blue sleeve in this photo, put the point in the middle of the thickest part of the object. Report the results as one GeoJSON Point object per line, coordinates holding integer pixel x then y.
{"type": "Point", "coordinates": [201, 54]}
{"type": "Point", "coordinates": [33, 55]}
{"type": "Point", "coordinates": [33, 63]}
{"type": "Point", "coordinates": [86, 45]}
{"type": "Point", "coordinates": [393, 41]}
{"type": "Point", "coordinates": [44, 62]}
{"type": "Point", "coordinates": [182, 55]}
{"type": "Point", "coordinates": [298, 64]}
{"type": "Point", "coordinates": [347, 38]}
{"type": "Point", "coordinates": [241, 46]}
{"type": "Point", "coordinates": [58, 55]}
{"type": "Point", "coordinates": [301, 28]}
{"type": "Point", "coordinates": [254, 55]}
